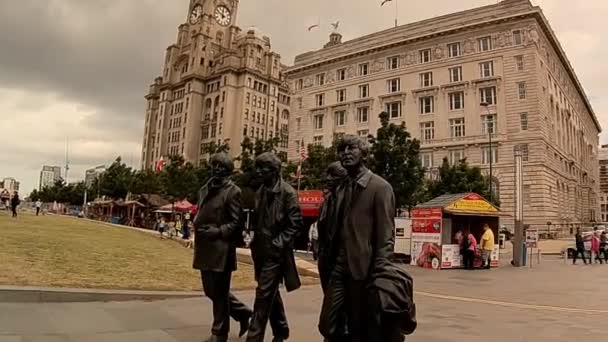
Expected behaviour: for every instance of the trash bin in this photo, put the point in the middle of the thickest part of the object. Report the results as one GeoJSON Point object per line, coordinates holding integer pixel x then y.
{"type": "Point", "coordinates": [502, 238]}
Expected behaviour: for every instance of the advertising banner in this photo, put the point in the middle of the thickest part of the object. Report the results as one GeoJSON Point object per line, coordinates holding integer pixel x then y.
{"type": "Point", "coordinates": [472, 203]}
{"type": "Point", "coordinates": [426, 237]}
{"type": "Point", "coordinates": [426, 254]}
{"type": "Point", "coordinates": [450, 256]}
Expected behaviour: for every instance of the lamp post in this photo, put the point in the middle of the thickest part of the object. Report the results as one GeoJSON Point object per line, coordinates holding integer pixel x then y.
{"type": "Point", "coordinates": [490, 132]}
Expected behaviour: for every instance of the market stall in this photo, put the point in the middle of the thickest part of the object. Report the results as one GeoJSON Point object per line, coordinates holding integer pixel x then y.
{"type": "Point", "coordinates": [435, 225]}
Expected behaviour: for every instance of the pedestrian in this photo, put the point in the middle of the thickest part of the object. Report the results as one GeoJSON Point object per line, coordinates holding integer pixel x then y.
{"type": "Point", "coordinates": [38, 206]}
{"type": "Point", "coordinates": [162, 225]}
{"type": "Point", "coordinates": [313, 240]}
{"type": "Point", "coordinates": [15, 201]}
{"type": "Point", "coordinates": [469, 247]}
{"type": "Point", "coordinates": [580, 248]}
{"type": "Point", "coordinates": [595, 248]}
{"type": "Point", "coordinates": [487, 246]}
{"type": "Point", "coordinates": [604, 246]}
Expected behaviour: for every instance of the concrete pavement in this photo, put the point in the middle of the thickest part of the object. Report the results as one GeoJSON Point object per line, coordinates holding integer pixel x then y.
{"type": "Point", "coordinates": [551, 302]}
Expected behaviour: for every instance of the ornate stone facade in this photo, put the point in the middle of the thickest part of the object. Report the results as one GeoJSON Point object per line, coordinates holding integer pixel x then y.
{"type": "Point", "coordinates": [434, 75]}
{"type": "Point", "coordinates": [219, 84]}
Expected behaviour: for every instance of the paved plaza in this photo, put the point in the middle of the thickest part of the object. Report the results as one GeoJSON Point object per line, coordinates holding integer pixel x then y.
{"type": "Point", "coordinates": [550, 302]}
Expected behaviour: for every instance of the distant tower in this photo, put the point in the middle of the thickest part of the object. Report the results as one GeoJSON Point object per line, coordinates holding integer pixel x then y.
{"type": "Point", "coordinates": [67, 161]}
{"type": "Point", "coordinates": [334, 39]}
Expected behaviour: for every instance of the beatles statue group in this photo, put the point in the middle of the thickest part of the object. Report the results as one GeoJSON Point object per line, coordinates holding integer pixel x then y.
{"type": "Point", "coordinates": [366, 297]}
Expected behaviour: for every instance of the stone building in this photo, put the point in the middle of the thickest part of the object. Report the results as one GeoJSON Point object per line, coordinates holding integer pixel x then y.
{"type": "Point", "coordinates": [218, 84]}
{"type": "Point", "coordinates": [603, 160]}
{"type": "Point", "coordinates": [434, 74]}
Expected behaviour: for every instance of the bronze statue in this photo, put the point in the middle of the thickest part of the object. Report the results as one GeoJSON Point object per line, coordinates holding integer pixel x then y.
{"type": "Point", "coordinates": [365, 291]}
{"type": "Point", "coordinates": [277, 223]}
{"type": "Point", "coordinates": [218, 226]}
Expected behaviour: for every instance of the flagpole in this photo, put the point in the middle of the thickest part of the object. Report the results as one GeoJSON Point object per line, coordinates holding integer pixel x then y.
{"type": "Point", "coordinates": [396, 12]}
{"type": "Point", "coordinates": [299, 174]}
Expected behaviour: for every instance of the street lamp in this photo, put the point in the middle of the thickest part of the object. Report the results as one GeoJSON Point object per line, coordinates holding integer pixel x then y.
{"type": "Point", "coordinates": [487, 107]}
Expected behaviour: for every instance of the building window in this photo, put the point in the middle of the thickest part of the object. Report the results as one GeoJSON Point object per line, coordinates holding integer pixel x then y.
{"type": "Point", "coordinates": [341, 95]}
{"type": "Point", "coordinates": [340, 118]}
{"type": "Point", "coordinates": [427, 131]}
{"type": "Point", "coordinates": [363, 91]}
{"type": "Point", "coordinates": [299, 84]}
{"type": "Point", "coordinates": [519, 62]}
{"type": "Point", "coordinates": [457, 128]}
{"type": "Point", "coordinates": [317, 140]}
{"type": "Point", "coordinates": [488, 124]}
{"type": "Point", "coordinates": [425, 56]}
{"type": "Point", "coordinates": [394, 109]}
{"type": "Point", "coordinates": [523, 119]}
{"type": "Point", "coordinates": [455, 74]}
{"type": "Point", "coordinates": [488, 95]}
{"type": "Point", "coordinates": [320, 79]}
{"type": "Point", "coordinates": [485, 44]}
{"type": "Point", "coordinates": [320, 100]}
{"type": "Point", "coordinates": [246, 114]}
{"type": "Point", "coordinates": [363, 132]}
{"type": "Point", "coordinates": [521, 90]}
{"type": "Point", "coordinates": [318, 121]}
{"type": "Point", "coordinates": [363, 69]}
{"type": "Point", "coordinates": [393, 62]}
{"type": "Point", "coordinates": [426, 79]}
{"type": "Point", "coordinates": [341, 74]}
{"type": "Point", "coordinates": [455, 156]}
{"type": "Point", "coordinates": [394, 85]}
{"type": "Point", "coordinates": [488, 154]}
{"type": "Point", "coordinates": [427, 160]}
{"type": "Point", "coordinates": [517, 37]}
{"type": "Point", "coordinates": [456, 100]}
{"type": "Point", "coordinates": [454, 50]}
{"type": "Point", "coordinates": [486, 69]}
{"type": "Point", "coordinates": [525, 151]}
{"type": "Point", "coordinates": [362, 114]}
{"type": "Point", "coordinates": [298, 123]}
{"type": "Point", "coordinates": [427, 104]}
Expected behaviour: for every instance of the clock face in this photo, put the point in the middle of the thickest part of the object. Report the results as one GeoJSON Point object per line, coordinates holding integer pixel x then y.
{"type": "Point", "coordinates": [196, 14]}
{"type": "Point", "coordinates": [223, 15]}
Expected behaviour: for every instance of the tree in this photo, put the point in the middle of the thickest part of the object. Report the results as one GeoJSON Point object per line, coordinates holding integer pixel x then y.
{"type": "Point", "coordinates": [146, 182]}
{"type": "Point", "coordinates": [178, 179]}
{"type": "Point", "coordinates": [116, 181]}
{"type": "Point", "coordinates": [460, 178]}
{"type": "Point", "coordinates": [395, 157]}
{"type": "Point", "coordinates": [314, 167]}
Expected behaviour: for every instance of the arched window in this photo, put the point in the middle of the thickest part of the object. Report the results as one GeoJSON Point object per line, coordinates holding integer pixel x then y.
{"type": "Point", "coordinates": [217, 101]}
{"type": "Point", "coordinates": [285, 114]}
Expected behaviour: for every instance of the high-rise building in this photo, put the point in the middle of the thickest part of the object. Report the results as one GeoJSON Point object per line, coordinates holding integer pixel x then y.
{"type": "Point", "coordinates": [91, 175]}
{"type": "Point", "coordinates": [219, 84]}
{"type": "Point", "coordinates": [48, 176]}
{"type": "Point", "coordinates": [435, 74]}
{"type": "Point", "coordinates": [9, 185]}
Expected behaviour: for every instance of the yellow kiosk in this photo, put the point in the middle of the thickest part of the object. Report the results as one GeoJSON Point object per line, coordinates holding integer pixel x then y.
{"type": "Point", "coordinates": [435, 225]}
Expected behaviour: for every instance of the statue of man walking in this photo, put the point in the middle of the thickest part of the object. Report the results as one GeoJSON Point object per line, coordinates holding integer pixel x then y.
{"type": "Point", "coordinates": [218, 225]}
{"type": "Point", "coordinates": [278, 222]}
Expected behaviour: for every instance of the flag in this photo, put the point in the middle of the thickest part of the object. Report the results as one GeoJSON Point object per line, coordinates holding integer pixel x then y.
{"type": "Point", "coordinates": [303, 151]}
{"type": "Point", "coordinates": [160, 165]}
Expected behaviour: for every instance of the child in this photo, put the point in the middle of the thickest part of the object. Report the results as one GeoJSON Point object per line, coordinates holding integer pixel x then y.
{"type": "Point", "coordinates": [162, 226]}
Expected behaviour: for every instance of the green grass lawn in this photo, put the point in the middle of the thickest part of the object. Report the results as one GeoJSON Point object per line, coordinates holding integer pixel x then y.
{"type": "Point", "coordinates": [60, 251]}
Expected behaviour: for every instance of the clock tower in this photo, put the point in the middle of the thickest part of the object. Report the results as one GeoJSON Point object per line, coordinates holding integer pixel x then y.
{"type": "Point", "coordinates": [218, 85]}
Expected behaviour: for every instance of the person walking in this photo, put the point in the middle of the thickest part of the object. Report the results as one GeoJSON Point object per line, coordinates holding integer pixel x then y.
{"type": "Point", "coordinates": [469, 248]}
{"type": "Point", "coordinates": [604, 246]}
{"type": "Point", "coordinates": [15, 201]}
{"type": "Point", "coordinates": [38, 206]}
{"type": "Point", "coordinates": [313, 240]}
{"type": "Point", "coordinates": [595, 249]}
{"type": "Point", "coordinates": [487, 246]}
{"type": "Point", "coordinates": [580, 248]}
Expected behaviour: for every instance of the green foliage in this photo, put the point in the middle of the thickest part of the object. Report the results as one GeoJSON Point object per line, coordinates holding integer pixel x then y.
{"type": "Point", "coordinates": [146, 182]}
{"type": "Point", "coordinates": [179, 179]}
{"type": "Point", "coordinates": [314, 168]}
{"type": "Point", "coordinates": [395, 157]}
{"type": "Point", "coordinates": [116, 180]}
{"type": "Point", "coordinates": [460, 178]}
{"type": "Point", "coordinates": [62, 193]}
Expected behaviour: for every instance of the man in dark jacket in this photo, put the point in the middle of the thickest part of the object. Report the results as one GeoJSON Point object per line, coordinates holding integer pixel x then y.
{"type": "Point", "coordinates": [363, 242]}
{"type": "Point", "coordinates": [218, 224]}
{"type": "Point", "coordinates": [15, 201]}
{"type": "Point", "coordinates": [278, 221]}
{"type": "Point", "coordinates": [580, 248]}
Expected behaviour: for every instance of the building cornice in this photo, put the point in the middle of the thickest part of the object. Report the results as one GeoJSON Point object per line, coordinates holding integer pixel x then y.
{"type": "Point", "coordinates": [310, 63]}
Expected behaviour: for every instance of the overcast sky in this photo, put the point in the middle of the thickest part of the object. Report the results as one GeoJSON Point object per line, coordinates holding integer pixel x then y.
{"type": "Point", "coordinates": [78, 69]}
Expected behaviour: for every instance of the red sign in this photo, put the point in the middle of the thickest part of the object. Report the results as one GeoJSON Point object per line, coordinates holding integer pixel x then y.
{"type": "Point", "coordinates": [426, 225]}
{"type": "Point", "coordinates": [473, 197]}
{"type": "Point", "coordinates": [426, 212]}
{"type": "Point", "coordinates": [310, 202]}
